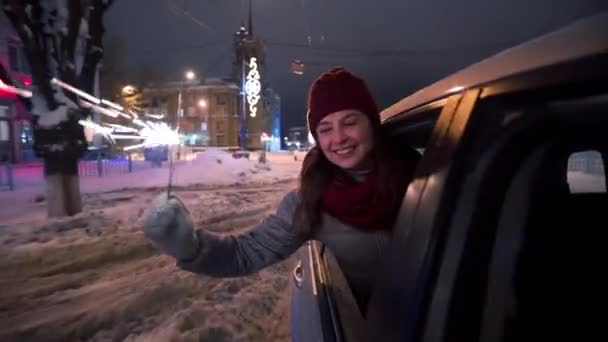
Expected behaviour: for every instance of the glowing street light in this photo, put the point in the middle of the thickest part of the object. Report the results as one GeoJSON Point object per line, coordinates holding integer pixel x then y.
{"type": "Point", "coordinates": [128, 90]}
{"type": "Point", "coordinates": [190, 75]}
{"type": "Point", "coordinates": [202, 103]}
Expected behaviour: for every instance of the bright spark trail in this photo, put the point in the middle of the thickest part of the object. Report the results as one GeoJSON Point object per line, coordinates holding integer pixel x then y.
{"type": "Point", "coordinates": [152, 133]}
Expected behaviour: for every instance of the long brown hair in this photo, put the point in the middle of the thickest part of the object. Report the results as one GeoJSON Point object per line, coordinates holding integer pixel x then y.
{"type": "Point", "coordinates": [395, 170]}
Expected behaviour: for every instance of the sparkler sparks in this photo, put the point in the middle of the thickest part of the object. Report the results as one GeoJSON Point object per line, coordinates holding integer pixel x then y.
{"type": "Point", "coordinates": [105, 131]}
{"type": "Point", "coordinates": [152, 133]}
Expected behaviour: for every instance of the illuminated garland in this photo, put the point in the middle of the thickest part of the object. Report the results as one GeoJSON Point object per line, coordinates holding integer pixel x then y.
{"type": "Point", "coordinates": [253, 86]}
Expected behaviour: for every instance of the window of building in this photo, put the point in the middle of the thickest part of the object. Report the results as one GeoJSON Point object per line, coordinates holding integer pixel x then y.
{"type": "Point", "coordinates": [191, 111]}
{"type": "Point", "coordinates": [4, 131]}
{"type": "Point", "coordinates": [13, 57]}
{"type": "Point", "coordinates": [220, 140]}
{"type": "Point", "coordinates": [219, 126]}
{"type": "Point", "coordinates": [17, 59]}
{"type": "Point", "coordinates": [222, 99]}
{"type": "Point", "coordinates": [4, 124]}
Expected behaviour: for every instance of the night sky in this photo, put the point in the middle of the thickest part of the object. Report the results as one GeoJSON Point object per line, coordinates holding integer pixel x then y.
{"type": "Point", "coordinates": [398, 46]}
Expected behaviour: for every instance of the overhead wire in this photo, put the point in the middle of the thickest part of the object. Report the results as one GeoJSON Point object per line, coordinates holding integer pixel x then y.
{"type": "Point", "coordinates": [175, 9]}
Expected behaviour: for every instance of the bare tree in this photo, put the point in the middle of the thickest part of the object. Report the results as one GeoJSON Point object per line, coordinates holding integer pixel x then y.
{"type": "Point", "coordinates": [62, 39]}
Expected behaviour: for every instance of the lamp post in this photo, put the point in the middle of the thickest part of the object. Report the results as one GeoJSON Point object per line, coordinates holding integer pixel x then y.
{"type": "Point", "coordinates": [202, 103]}
{"type": "Point", "coordinates": [189, 75]}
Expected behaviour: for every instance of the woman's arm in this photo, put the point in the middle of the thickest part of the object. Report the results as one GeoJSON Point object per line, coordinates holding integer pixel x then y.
{"type": "Point", "coordinates": [240, 254]}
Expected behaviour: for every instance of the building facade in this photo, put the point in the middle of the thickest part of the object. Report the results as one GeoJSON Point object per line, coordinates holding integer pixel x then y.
{"type": "Point", "coordinates": [273, 105]}
{"type": "Point", "coordinates": [298, 138]}
{"type": "Point", "coordinates": [206, 112]}
{"type": "Point", "coordinates": [16, 142]}
{"type": "Point", "coordinates": [249, 69]}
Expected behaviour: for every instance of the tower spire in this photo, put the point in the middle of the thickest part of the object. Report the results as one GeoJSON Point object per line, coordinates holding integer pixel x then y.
{"type": "Point", "coordinates": [250, 23]}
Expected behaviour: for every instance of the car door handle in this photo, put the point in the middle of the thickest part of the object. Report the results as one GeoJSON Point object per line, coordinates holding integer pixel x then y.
{"type": "Point", "coordinates": [298, 274]}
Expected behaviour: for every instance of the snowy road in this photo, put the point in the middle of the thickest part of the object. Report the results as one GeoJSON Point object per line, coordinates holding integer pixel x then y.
{"type": "Point", "coordinates": [95, 277]}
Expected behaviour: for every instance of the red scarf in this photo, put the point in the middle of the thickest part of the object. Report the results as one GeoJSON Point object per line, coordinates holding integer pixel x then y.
{"type": "Point", "coordinates": [357, 204]}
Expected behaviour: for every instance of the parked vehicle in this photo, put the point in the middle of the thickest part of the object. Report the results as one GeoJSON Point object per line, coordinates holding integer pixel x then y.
{"type": "Point", "coordinates": [497, 239]}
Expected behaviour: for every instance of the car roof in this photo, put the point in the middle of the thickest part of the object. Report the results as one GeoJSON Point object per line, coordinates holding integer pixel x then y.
{"type": "Point", "coordinates": [584, 38]}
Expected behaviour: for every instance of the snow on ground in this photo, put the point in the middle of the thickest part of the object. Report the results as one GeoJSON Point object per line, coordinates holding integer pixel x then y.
{"type": "Point", "coordinates": [203, 171]}
{"type": "Point", "coordinates": [95, 277]}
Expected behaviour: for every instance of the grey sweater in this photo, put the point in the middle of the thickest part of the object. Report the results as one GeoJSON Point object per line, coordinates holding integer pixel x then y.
{"type": "Point", "coordinates": [358, 252]}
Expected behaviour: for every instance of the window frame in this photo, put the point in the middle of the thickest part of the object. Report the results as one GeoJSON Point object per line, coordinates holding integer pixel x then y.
{"type": "Point", "coordinates": [403, 285]}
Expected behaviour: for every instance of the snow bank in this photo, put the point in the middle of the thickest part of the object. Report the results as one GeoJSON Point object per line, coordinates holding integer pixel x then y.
{"type": "Point", "coordinates": [223, 162]}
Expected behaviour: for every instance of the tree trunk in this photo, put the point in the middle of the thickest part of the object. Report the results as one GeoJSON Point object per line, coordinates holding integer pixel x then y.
{"type": "Point", "coordinates": [62, 187]}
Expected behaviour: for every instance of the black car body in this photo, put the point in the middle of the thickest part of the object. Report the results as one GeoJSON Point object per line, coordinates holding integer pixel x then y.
{"type": "Point", "coordinates": [494, 242]}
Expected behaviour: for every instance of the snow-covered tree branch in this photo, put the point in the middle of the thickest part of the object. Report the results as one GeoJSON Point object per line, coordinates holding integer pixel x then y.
{"type": "Point", "coordinates": [63, 40]}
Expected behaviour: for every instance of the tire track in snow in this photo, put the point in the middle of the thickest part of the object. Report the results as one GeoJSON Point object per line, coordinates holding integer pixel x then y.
{"type": "Point", "coordinates": [117, 286]}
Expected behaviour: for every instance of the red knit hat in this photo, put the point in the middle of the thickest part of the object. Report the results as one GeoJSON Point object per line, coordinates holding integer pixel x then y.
{"type": "Point", "coordinates": [338, 90]}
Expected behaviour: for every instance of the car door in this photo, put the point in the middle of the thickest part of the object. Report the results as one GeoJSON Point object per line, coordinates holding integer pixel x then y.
{"type": "Point", "coordinates": [314, 315]}
{"type": "Point", "coordinates": [395, 306]}
{"type": "Point", "coordinates": [524, 246]}
{"type": "Point", "coordinates": [323, 307]}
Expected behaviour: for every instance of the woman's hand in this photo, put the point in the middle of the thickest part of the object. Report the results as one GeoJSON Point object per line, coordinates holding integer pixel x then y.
{"type": "Point", "coordinates": [170, 226]}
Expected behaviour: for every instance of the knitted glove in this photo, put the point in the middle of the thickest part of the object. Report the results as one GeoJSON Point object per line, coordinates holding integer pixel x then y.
{"type": "Point", "coordinates": [170, 226]}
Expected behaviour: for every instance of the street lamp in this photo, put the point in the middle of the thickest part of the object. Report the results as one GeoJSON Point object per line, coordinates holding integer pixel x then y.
{"type": "Point", "coordinates": [202, 103]}
{"type": "Point", "coordinates": [190, 75]}
{"type": "Point", "coordinates": [128, 90]}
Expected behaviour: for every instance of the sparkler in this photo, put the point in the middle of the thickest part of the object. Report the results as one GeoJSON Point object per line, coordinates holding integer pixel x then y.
{"type": "Point", "coordinates": [152, 133]}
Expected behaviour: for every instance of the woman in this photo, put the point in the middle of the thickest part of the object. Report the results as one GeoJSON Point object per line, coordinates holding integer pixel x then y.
{"type": "Point", "coordinates": [351, 187]}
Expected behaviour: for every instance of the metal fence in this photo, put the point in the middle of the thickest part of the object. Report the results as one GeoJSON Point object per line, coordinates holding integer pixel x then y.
{"type": "Point", "coordinates": [109, 167]}
{"type": "Point", "coordinates": [19, 176]}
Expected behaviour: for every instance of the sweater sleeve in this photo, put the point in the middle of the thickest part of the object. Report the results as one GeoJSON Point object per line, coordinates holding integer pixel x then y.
{"type": "Point", "coordinates": [241, 254]}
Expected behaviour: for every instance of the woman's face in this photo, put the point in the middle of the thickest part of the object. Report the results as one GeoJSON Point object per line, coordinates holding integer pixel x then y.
{"type": "Point", "coordinates": [346, 138]}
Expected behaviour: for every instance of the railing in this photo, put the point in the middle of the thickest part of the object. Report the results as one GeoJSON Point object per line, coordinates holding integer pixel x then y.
{"type": "Point", "coordinates": [22, 176]}
{"type": "Point", "coordinates": [109, 167]}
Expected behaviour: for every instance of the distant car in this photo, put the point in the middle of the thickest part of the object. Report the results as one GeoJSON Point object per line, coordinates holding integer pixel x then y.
{"type": "Point", "coordinates": [499, 237]}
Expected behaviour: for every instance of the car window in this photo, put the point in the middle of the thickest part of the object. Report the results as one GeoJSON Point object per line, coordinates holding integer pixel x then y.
{"type": "Point", "coordinates": [543, 250]}
{"type": "Point", "coordinates": [520, 237]}
{"type": "Point", "coordinates": [586, 172]}
{"type": "Point", "coordinates": [348, 312]}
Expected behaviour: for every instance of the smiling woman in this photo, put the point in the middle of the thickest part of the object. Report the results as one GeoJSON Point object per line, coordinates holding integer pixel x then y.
{"type": "Point", "coordinates": [351, 187]}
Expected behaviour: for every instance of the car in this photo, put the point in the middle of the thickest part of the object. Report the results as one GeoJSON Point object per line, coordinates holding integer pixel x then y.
{"type": "Point", "coordinates": [499, 234]}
